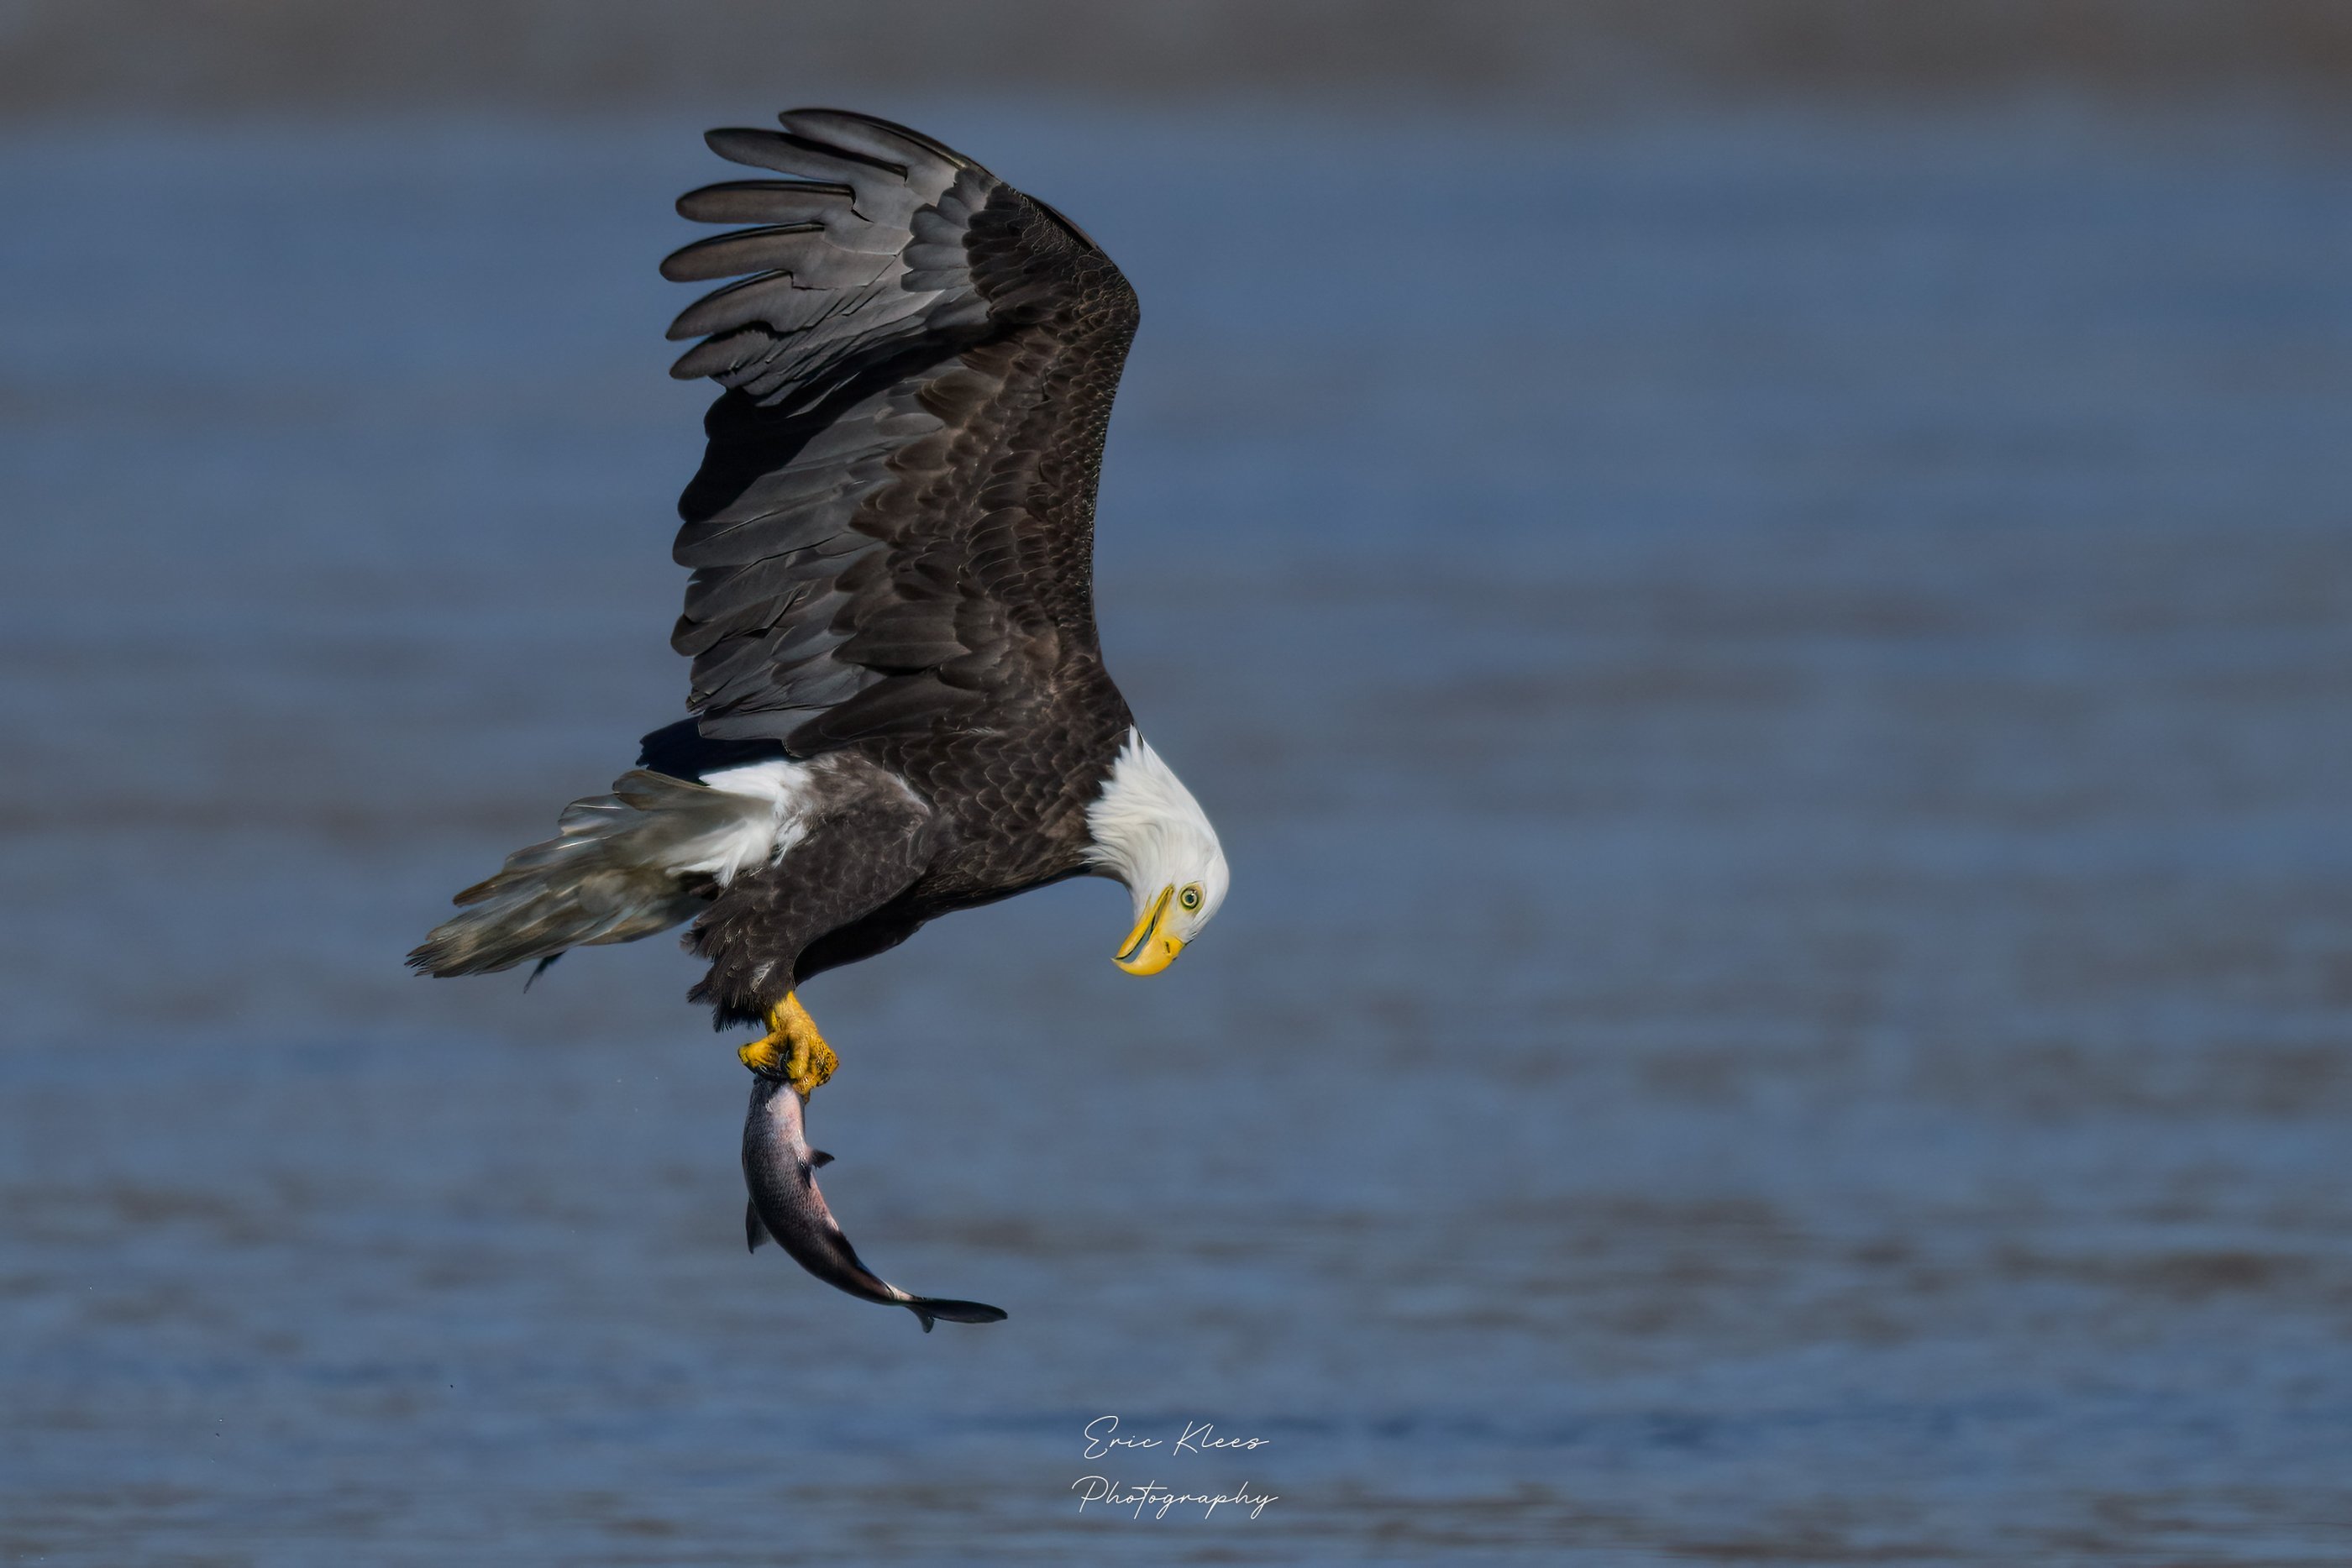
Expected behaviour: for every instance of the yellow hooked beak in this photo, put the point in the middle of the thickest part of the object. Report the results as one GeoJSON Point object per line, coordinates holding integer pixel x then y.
{"type": "Point", "coordinates": [1150, 947]}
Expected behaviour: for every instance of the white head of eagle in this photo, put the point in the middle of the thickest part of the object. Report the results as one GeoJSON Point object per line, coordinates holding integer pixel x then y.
{"type": "Point", "coordinates": [1151, 833]}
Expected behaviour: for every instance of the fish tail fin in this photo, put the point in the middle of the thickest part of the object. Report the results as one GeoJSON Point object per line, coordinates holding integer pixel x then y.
{"type": "Point", "coordinates": [929, 1308]}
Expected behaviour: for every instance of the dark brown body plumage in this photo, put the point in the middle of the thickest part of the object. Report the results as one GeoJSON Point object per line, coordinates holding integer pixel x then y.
{"type": "Point", "coordinates": [892, 541]}
{"type": "Point", "coordinates": [892, 535]}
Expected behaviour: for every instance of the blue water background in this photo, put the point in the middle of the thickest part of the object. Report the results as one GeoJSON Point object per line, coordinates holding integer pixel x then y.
{"type": "Point", "coordinates": [1777, 690]}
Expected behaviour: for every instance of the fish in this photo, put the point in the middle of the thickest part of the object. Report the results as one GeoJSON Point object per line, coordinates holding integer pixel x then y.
{"type": "Point", "coordinates": [779, 1169]}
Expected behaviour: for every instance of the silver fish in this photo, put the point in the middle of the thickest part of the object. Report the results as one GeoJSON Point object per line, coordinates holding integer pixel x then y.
{"type": "Point", "coordinates": [779, 1169]}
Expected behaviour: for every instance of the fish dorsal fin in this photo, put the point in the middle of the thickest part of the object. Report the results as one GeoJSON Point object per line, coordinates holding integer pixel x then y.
{"type": "Point", "coordinates": [818, 1159]}
{"type": "Point", "coordinates": [753, 1231]}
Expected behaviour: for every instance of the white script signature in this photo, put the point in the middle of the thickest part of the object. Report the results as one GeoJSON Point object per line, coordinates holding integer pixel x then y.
{"type": "Point", "coordinates": [1159, 1499]}
{"type": "Point", "coordinates": [1198, 1436]}
{"type": "Point", "coordinates": [1103, 1437]}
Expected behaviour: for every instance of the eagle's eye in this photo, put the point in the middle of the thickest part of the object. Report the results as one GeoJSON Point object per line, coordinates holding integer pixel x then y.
{"type": "Point", "coordinates": [1190, 897]}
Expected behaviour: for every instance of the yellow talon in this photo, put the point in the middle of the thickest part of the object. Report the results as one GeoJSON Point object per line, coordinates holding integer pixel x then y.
{"type": "Point", "coordinates": [792, 1049]}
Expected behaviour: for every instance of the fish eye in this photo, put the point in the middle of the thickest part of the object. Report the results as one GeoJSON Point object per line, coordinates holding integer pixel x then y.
{"type": "Point", "coordinates": [1190, 897]}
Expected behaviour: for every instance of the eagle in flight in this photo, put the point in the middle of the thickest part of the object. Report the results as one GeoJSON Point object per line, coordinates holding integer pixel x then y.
{"type": "Point", "coordinates": [899, 702]}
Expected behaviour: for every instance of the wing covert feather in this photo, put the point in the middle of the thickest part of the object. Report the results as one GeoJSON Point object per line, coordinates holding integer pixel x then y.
{"type": "Point", "coordinates": [892, 531]}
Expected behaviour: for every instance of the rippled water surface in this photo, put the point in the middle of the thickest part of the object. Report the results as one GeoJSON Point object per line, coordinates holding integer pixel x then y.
{"type": "Point", "coordinates": [1776, 689]}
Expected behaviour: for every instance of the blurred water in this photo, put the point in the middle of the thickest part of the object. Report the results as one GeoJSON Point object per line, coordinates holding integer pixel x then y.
{"type": "Point", "coordinates": [1776, 690]}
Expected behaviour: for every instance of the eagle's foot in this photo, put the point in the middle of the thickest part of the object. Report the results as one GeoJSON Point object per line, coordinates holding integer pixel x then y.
{"type": "Point", "coordinates": [791, 1050]}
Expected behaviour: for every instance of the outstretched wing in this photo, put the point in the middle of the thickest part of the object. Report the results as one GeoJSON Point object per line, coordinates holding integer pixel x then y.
{"type": "Point", "coordinates": [893, 526]}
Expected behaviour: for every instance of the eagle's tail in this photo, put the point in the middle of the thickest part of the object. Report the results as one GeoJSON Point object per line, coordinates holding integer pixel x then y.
{"type": "Point", "coordinates": [625, 865]}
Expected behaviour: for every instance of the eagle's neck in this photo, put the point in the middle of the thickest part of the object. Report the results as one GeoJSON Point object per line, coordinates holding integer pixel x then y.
{"type": "Point", "coordinates": [1144, 827]}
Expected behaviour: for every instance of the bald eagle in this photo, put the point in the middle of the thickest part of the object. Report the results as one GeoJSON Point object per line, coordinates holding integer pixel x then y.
{"type": "Point", "coordinates": [898, 703]}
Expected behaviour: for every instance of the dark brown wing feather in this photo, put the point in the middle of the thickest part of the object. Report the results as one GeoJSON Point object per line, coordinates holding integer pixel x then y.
{"type": "Point", "coordinates": [892, 532]}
